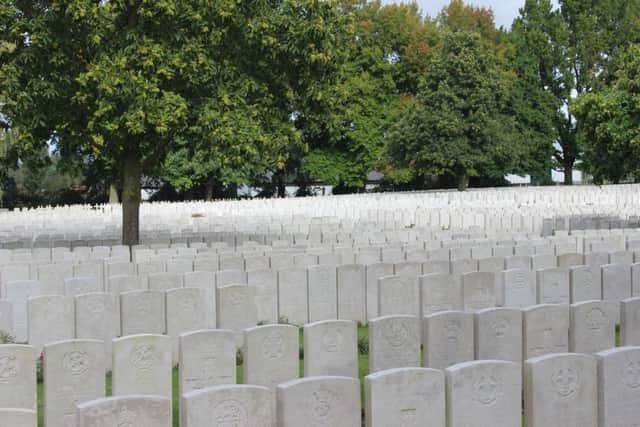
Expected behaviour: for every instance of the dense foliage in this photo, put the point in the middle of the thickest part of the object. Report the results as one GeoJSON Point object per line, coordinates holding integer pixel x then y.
{"type": "Point", "coordinates": [205, 96]}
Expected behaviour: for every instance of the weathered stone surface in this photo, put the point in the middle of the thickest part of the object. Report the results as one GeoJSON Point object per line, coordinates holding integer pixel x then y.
{"type": "Point", "coordinates": [207, 359]}
{"type": "Point", "coordinates": [553, 286]}
{"type": "Point", "coordinates": [73, 374]}
{"type": "Point", "coordinates": [271, 355]}
{"type": "Point", "coordinates": [18, 418]}
{"type": "Point", "coordinates": [51, 319]}
{"type": "Point", "coordinates": [142, 365]}
{"type": "Point", "coordinates": [185, 313]}
{"type": "Point", "coordinates": [484, 393]}
{"type": "Point", "coordinates": [447, 339]}
{"type": "Point", "coordinates": [440, 292]}
{"type": "Point", "coordinates": [398, 295]}
{"type": "Point", "coordinates": [479, 291]}
{"type": "Point", "coordinates": [498, 334]}
{"type": "Point", "coordinates": [293, 295]}
{"type": "Point", "coordinates": [331, 348]}
{"type": "Point", "coordinates": [405, 396]}
{"type": "Point", "coordinates": [230, 405]}
{"type": "Point", "coordinates": [319, 401]}
{"type": "Point", "coordinates": [323, 293]}
{"type": "Point", "coordinates": [132, 410]}
{"type": "Point", "coordinates": [142, 312]}
{"type": "Point", "coordinates": [630, 321]}
{"type": "Point", "coordinates": [394, 342]}
{"type": "Point", "coordinates": [351, 293]}
{"type": "Point", "coordinates": [618, 387]}
{"type": "Point", "coordinates": [592, 326]}
{"type": "Point", "coordinates": [18, 376]}
{"type": "Point", "coordinates": [560, 390]}
{"type": "Point", "coordinates": [517, 288]}
{"type": "Point", "coordinates": [545, 330]}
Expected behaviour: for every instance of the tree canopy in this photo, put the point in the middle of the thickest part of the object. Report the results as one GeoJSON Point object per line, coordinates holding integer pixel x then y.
{"type": "Point", "coordinates": [130, 81]}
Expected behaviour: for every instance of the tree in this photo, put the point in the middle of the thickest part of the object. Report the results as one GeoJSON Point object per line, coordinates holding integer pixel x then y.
{"type": "Point", "coordinates": [459, 124]}
{"type": "Point", "coordinates": [610, 123]}
{"type": "Point", "coordinates": [573, 47]}
{"type": "Point", "coordinates": [384, 56]}
{"type": "Point", "coordinates": [128, 81]}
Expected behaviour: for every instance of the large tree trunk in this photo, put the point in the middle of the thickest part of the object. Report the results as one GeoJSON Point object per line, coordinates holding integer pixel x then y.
{"type": "Point", "coordinates": [113, 194]}
{"type": "Point", "coordinates": [463, 181]}
{"type": "Point", "coordinates": [208, 194]}
{"type": "Point", "coordinates": [131, 176]}
{"type": "Point", "coordinates": [568, 173]}
{"type": "Point", "coordinates": [280, 185]}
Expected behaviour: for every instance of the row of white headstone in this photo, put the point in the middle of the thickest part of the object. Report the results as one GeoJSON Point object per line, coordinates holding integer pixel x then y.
{"type": "Point", "coordinates": [235, 299]}
{"type": "Point", "coordinates": [559, 389]}
{"type": "Point", "coordinates": [490, 209]}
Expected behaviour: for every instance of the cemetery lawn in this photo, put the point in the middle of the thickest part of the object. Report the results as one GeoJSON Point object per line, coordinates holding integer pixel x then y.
{"type": "Point", "coordinates": [363, 369]}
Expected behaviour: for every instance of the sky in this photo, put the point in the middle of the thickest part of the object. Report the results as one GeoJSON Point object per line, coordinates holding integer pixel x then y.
{"type": "Point", "coordinates": [504, 10]}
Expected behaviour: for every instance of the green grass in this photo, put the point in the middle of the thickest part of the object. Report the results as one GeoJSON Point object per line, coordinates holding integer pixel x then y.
{"type": "Point", "coordinates": [363, 369]}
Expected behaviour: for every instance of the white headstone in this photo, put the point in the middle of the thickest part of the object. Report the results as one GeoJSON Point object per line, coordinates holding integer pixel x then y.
{"type": "Point", "coordinates": [126, 411]}
{"type": "Point", "coordinates": [351, 293]}
{"type": "Point", "coordinates": [18, 377]}
{"type": "Point", "coordinates": [319, 401]}
{"type": "Point", "coordinates": [331, 348]}
{"type": "Point", "coordinates": [206, 281]}
{"type": "Point", "coordinates": [293, 295]}
{"type": "Point", "coordinates": [498, 334]}
{"type": "Point", "coordinates": [17, 294]}
{"type": "Point", "coordinates": [165, 281]}
{"type": "Point", "coordinates": [142, 365]}
{"type": "Point", "coordinates": [18, 418]}
{"type": "Point", "coordinates": [618, 387]}
{"type": "Point", "coordinates": [561, 390]}
{"type": "Point", "coordinates": [553, 286]}
{"type": "Point", "coordinates": [73, 374]}
{"type": "Point", "coordinates": [545, 330]}
{"type": "Point", "coordinates": [464, 265]}
{"type": "Point", "coordinates": [485, 392]}
{"type": "Point", "coordinates": [228, 405]}
{"type": "Point", "coordinates": [448, 339]}
{"type": "Point", "coordinates": [398, 295]}
{"type": "Point", "coordinates": [142, 312]}
{"type": "Point", "coordinates": [81, 285]}
{"type": "Point", "coordinates": [630, 321]}
{"type": "Point", "coordinates": [266, 283]}
{"type": "Point", "coordinates": [207, 359]}
{"type": "Point", "coordinates": [518, 288]}
{"type": "Point", "coordinates": [51, 319]}
{"type": "Point", "coordinates": [394, 342]}
{"type": "Point", "coordinates": [479, 291]}
{"type": "Point", "coordinates": [440, 292]}
{"type": "Point", "coordinates": [616, 282]}
{"type": "Point", "coordinates": [96, 319]}
{"type": "Point", "coordinates": [521, 262]}
{"type": "Point", "coordinates": [543, 262]}
{"type": "Point", "coordinates": [271, 355]}
{"type": "Point", "coordinates": [405, 396]}
{"type": "Point", "coordinates": [236, 309]}
{"type": "Point", "coordinates": [185, 313]}
{"type": "Point", "coordinates": [323, 297]}
{"type": "Point", "coordinates": [585, 283]}
{"type": "Point", "coordinates": [593, 326]}
{"type": "Point", "coordinates": [230, 277]}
